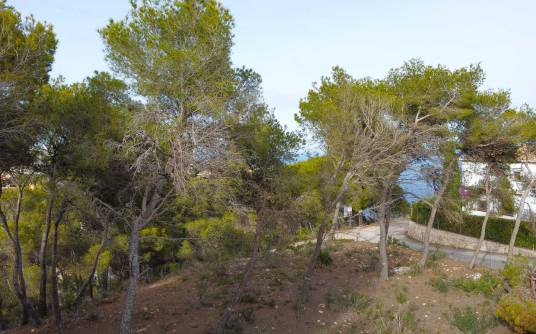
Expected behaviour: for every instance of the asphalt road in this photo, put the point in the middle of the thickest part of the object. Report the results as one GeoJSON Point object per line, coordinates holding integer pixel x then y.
{"type": "Point", "coordinates": [398, 229]}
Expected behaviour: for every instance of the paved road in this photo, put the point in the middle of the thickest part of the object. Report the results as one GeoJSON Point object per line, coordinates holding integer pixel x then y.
{"type": "Point", "coordinates": [398, 229]}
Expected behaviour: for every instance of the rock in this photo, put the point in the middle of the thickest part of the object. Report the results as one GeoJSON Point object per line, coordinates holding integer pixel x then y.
{"type": "Point", "coordinates": [401, 270]}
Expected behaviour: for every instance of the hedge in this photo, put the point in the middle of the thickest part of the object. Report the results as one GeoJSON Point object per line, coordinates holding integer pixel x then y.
{"type": "Point", "coordinates": [498, 229]}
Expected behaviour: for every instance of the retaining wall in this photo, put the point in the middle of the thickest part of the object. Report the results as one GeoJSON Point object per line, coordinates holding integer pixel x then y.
{"type": "Point", "coordinates": [416, 231]}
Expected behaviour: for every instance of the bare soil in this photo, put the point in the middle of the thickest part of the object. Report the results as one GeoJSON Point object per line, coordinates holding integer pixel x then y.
{"type": "Point", "coordinates": [192, 301]}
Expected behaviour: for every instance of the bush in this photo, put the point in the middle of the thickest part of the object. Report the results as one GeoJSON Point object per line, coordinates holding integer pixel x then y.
{"type": "Point", "coordinates": [324, 258]}
{"type": "Point", "coordinates": [514, 272]}
{"type": "Point", "coordinates": [498, 229]}
{"type": "Point", "coordinates": [470, 322]}
{"type": "Point", "coordinates": [440, 284]}
{"type": "Point", "coordinates": [186, 252]}
{"type": "Point", "coordinates": [520, 313]}
{"type": "Point", "coordinates": [347, 300]}
{"type": "Point", "coordinates": [487, 285]}
{"type": "Point", "coordinates": [220, 237]}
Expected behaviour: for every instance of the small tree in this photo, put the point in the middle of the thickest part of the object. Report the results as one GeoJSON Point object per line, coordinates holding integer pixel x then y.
{"type": "Point", "coordinates": [435, 100]}
{"type": "Point", "coordinates": [21, 180]}
{"type": "Point", "coordinates": [26, 53]}
{"type": "Point", "coordinates": [526, 125]}
{"type": "Point", "coordinates": [361, 135]}
{"type": "Point", "coordinates": [177, 56]}
{"type": "Point", "coordinates": [73, 124]}
{"type": "Point", "coordinates": [489, 140]}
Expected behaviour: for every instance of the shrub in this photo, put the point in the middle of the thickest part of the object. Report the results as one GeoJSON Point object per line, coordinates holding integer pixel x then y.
{"type": "Point", "coordinates": [248, 314]}
{"type": "Point", "coordinates": [488, 284]}
{"type": "Point", "coordinates": [401, 297]}
{"type": "Point", "coordinates": [186, 252]}
{"type": "Point", "coordinates": [498, 229]}
{"type": "Point", "coordinates": [470, 322]}
{"type": "Point", "coordinates": [303, 233]}
{"type": "Point", "coordinates": [440, 284]}
{"type": "Point", "coordinates": [391, 322]}
{"type": "Point", "coordinates": [520, 313]}
{"type": "Point", "coordinates": [324, 258]}
{"type": "Point", "coordinates": [514, 272]}
{"type": "Point", "coordinates": [220, 237]}
{"type": "Point", "coordinates": [348, 299]}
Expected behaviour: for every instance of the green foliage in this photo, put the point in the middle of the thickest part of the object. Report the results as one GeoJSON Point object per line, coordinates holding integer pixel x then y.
{"type": "Point", "coordinates": [347, 300]}
{"type": "Point", "coordinates": [248, 314]}
{"type": "Point", "coordinates": [186, 251]}
{"type": "Point", "coordinates": [398, 321]}
{"type": "Point", "coordinates": [498, 229]}
{"type": "Point", "coordinates": [469, 321]}
{"type": "Point", "coordinates": [220, 237]}
{"type": "Point", "coordinates": [401, 297]}
{"type": "Point", "coordinates": [324, 258]}
{"type": "Point", "coordinates": [488, 284]}
{"type": "Point", "coordinates": [75, 123]}
{"type": "Point", "coordinates": [309, 209]}
{"type": "Point", "coordinates": [440, 284]}
{"type": "Point", "coordinates": [28, 48]}
{"type": "Point", "coordinates": [104, 259]}
{"type": "Point", "coordinates": [424, 88]}
{"type": "Point", "coordinates": [518, 312]}
{"type": "Point", "coordinates": [177, 52]}
{"type": "Point", "coordinates": [303, 233]}
{"type": "Point", "coordinates": [514, 272]}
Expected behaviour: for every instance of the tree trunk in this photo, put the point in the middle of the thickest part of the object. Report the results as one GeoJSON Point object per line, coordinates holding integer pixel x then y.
{"type": "Point", "coordinates": [89, 280]}
{"type": "Point", "coordinates": [335, 221]}
{"type": "Point", "coordinates": [435, 206]}
{"type": "Point", "coordinates": [42, 304]}
{"type": "Point", "coordinates": [54, 298]}
{"type": "Point", "coordinates": [484, 223]}
{"type": "Point", "coordinates": [19, 283]}
{"type": "Point", "coordinates": [384, 261]}
{"type": "Point", "coordinates": [230, 310]}
{"type": "Point", "coordinates": [126, 320]}
{"type": "Point", "coordinates": [518, 219]}
{"type": "Point", "coordinates": [307, 277]}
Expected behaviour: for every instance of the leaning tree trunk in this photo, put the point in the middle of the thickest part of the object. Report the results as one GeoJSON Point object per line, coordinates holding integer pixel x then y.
{"type": "Point", "coordinates": [307, 277]}
{"type": "Point", "coordinates": [335, 221]}
{"type": "Point", "coordinates": [435, 206]}
{"type": "Point", "coordinates": [89, 280]}
{"type": "Point", "coordinates": [484, 224]}
{"type": "Point", "coordinates": [231, 309]}
{"type": "Point", "coordinates": [126, 320]}
{"type": "Point", "coordinates": [42, 303]}
{"type": "Point", "coordinates": [518, 219]}
{"type": "Point", "coordinates": [384, 261]}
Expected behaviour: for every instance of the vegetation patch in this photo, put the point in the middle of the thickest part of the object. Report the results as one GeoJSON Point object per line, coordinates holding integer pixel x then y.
{"type": "Point", "coordinates": [518, 312]}
{"type": "Point", "coordinates": [469, 321]}
{"type": "Point", "coordinates": [347, 300]}
{"type": "Point", "coordinates": [488, 284]}
{"type": "Point", "coordinates": [440, 284]}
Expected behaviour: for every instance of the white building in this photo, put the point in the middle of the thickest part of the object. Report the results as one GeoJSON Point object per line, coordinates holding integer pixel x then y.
{"type": "Point", "coordinates": [473, 173]}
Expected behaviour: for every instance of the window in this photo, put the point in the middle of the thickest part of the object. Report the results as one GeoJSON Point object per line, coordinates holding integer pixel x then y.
{"type": "Point", "coordinates": [516, 175]}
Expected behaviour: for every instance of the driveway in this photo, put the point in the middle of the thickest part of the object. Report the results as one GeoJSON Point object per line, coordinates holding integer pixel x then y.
{"type": "Point", "coordinates": [398, 229]}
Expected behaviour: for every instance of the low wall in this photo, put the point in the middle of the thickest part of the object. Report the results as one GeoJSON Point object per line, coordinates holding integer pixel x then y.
{"type": "Point", "coordinates": [416, 231]}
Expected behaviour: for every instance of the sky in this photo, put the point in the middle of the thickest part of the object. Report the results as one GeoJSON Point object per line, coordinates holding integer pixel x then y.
{"type": "Point", "coordinates": [294, 43]}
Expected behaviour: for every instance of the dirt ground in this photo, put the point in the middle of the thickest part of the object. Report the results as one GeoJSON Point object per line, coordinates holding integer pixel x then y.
{"type": "Point", "coordinates": [346, 297]}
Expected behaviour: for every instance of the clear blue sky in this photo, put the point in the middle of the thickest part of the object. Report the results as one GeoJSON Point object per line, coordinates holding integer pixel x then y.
{"type": "Point", "coordinates": [293, 43]}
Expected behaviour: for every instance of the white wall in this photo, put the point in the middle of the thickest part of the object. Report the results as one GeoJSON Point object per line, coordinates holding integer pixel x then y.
{"type": "Point", "coordinates": [472, 174]}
